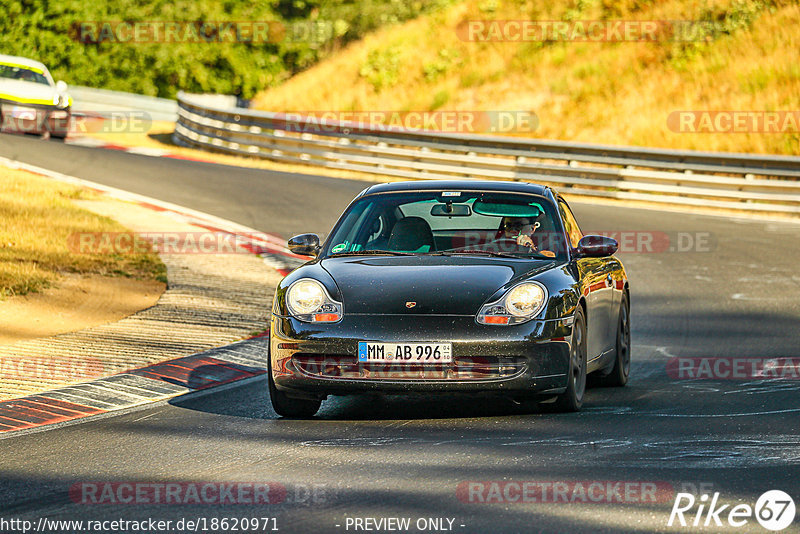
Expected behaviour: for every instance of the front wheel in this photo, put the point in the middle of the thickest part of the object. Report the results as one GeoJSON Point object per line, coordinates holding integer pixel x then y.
{"type": "Point", "coordinates": [572, 399]}
{"type": "Point", "coordinates": [288, 407]}
{"type": "Point", "coordinates": [622, 362]}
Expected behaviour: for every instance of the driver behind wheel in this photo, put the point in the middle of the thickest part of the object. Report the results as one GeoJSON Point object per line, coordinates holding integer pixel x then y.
{"type": "Point", "coordinates": [521, 231]}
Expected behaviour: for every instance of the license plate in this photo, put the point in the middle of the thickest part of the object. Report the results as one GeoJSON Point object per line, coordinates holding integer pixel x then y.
{"type": "Point", "coordinates": [425, 353]}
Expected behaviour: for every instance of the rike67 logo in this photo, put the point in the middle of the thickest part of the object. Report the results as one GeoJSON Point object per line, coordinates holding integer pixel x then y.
{"type": "Point", "coordinates": [774, 510]}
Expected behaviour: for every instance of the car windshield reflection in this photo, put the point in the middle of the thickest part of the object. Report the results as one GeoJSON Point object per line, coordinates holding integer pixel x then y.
{"type": "Point", "coordinates": [449, 223]}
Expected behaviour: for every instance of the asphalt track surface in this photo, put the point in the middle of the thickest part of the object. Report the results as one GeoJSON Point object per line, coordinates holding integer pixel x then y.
{"type": "Point", "coordinates": [382, 457]}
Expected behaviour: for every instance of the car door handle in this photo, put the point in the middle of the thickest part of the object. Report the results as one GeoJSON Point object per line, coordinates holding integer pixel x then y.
{"type": "Point", "coordinates": [609, 280]}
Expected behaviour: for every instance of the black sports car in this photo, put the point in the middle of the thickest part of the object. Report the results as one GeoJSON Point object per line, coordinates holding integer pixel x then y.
{"type": "Point", "coordinates": [450, 286]}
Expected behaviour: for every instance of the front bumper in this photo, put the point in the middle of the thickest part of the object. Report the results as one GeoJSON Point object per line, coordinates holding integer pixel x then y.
{"type": "Point", "coordinates": [34, 118]}
{"type": "Point", "coordinates": [314, 360]}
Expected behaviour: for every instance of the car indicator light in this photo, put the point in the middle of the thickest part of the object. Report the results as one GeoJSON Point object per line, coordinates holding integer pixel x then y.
{"type": "Point", "coordinates": [326, 317]}
{"type": "Point", "coordinates": [495, 319]}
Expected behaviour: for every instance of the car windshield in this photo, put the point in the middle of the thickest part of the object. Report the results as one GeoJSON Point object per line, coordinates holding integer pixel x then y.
{"type": "Point", "coordinates": [16, 72]}
{"type": "Point", "coordinates": [450, 223]}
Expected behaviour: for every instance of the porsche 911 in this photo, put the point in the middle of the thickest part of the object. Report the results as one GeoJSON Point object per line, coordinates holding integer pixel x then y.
{"type": "Point", "coordinates": [451, 286]}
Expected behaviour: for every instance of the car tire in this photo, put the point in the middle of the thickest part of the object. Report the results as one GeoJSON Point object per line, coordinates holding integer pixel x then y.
{"type": "Point", "coordinates": [618, 376]}
{"type": "Point", "coordinates": [288, 407]}
{"type": "Point", "coordinates": [572, 399]}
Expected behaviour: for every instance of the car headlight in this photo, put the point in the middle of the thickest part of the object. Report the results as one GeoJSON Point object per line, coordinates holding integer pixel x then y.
{"type": "Point", "coordinates": [522, 303]}
{"type": "Point", "coordinates": [307, 300]}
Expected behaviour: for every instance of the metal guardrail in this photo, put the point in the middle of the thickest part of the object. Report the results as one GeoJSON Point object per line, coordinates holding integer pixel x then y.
{"type": "Point", "coordinates": [750, 182]}
{"type": "Point", "coordinates": [88, 100]}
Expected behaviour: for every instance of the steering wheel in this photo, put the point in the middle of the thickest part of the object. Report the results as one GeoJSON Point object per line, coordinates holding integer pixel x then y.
{"type": "Point", "coordinates": [506, 244]}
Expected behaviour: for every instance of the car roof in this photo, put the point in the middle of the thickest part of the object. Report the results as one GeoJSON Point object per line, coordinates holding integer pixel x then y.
{"type": "Point", "coordinates": [459, 185]}
{"type": "Point", "coordinates": [22, 62]}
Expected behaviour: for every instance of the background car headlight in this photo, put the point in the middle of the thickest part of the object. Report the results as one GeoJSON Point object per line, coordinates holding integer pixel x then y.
{"type": "Point", "coordinates": [307, 300]}
{"type": "Point", "coordinates": [522, 303]}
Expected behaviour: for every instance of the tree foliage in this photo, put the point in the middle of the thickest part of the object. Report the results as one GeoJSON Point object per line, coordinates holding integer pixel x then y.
{"type": "Point", "coordinates": [50, 31]}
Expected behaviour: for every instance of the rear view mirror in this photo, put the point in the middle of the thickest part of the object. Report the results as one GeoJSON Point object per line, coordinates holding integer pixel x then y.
{"type": "Point", "coordinates": [61, 86]}
{"type": "Point", "coordinates": [596, 246]}
{"type": "Point", "coordinates": [451, 210]}
{"type": "Point", "coordinates": [305, 244]}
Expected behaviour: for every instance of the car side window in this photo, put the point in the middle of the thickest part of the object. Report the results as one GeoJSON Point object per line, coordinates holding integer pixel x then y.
{"type": "Point", "coordinates": [570, 224]}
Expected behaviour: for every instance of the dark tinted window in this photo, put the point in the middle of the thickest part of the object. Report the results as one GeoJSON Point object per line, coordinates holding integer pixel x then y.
{"type": "Point", "coordinates": [570, 224]}
{"type": "Point", "coordinates": [430, 222]}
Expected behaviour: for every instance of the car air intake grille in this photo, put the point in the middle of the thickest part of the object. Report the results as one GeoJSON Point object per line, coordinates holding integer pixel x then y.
{"type": "Point", "coordinates": [462, 368]}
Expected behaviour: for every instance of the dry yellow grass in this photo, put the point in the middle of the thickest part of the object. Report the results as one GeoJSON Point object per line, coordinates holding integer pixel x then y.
{"type": "Point", "coordinates": [617, 93]}
{"type": "Point", "coordinates": [38, 218]}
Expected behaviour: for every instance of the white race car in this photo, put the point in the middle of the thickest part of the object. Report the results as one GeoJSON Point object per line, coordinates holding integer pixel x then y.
{"type": "Point", "coordinates": [30, 101]}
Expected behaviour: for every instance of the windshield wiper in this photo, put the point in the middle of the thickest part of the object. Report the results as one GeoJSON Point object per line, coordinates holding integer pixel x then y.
{"type": "Point", "coordinates": [371, 253]}
{"type": "Point", "coordinates": [478, 252]}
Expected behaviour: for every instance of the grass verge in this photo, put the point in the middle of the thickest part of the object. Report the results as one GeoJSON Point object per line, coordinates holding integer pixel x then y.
{"type": "Point", "coordinates": [38, 217]}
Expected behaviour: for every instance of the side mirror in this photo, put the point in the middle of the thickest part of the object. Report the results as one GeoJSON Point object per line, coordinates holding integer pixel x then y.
{"type": "Point", "coordinates": [596, 246]}
{"type": "Point", "coordinates": [61, 86]}
{"type": "Point", "coordinates": [305, 244]}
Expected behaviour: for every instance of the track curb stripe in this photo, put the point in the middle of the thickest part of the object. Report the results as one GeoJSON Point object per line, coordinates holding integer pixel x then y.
{"type": "Point", "coordinates": [26, 416]}
{"type": "Point", "coordinates": [163, 380]}
{"type": "Point", "coordinates": [92, 142]}
{"type": "Point", "coordinates": [156, 382]}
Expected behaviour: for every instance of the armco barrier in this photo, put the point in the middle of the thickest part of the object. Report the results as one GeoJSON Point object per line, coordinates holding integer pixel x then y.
{"type": "Point", "coordinates": [88, 100]}
{"type": "Point", "coordinates": [750, 182]}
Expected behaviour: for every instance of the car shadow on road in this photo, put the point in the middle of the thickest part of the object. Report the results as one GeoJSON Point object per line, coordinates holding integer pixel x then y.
{"type": "Point", "coordinates": [251, 400]}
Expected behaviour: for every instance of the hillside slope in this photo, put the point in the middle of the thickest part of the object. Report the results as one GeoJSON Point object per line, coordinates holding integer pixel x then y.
{"type": "Point", "coordinates": [743, 58]}
{"type": "Point", "coordinates": [216, 47]}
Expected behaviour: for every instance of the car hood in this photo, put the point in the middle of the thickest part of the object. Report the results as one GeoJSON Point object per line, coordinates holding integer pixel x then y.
{"type": "Point", "coordinates": [27, 92]}
{"type": "Point", "coordinates": [442, 285]}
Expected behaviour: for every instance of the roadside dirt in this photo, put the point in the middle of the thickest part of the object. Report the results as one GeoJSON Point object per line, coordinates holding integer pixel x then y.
{"type": "Point", "coordinates": [78, 302]}
{"type": "Point", "coordinates": [109, 325]}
